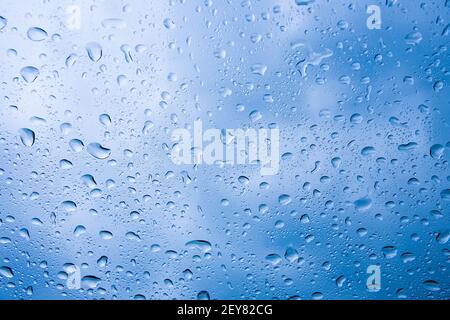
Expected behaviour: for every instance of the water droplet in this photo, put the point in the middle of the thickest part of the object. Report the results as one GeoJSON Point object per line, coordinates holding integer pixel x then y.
{"type": "Point", "coordinates": [106, 235]}
{"type": "Point", "coordinates": [259, 69]}
{"type": "Point", "coordinates": [94, 51]}
{"type": "Point", "coordinates": [413, 38]}
{"type": "Point", "coordinates": [76, 145]}
{"type": "Point", "coordinates": [438, 86]}
{"type": "Point", "coordinates": [132, 236]}
{"type": "Point", "coordinates": [274, 258]}
{"type": "Point", "coordinates": [340, 281]}
{"type": "Point", "coordinates": [407, 146]}
{"type": "Point", "coordinates": [102, 261]}
{"type": "Point", "coordinates": [445, 194]}
{"type": "Point", "coordinates": [431, 285]}
{"type": "Point", "coordinates": [3, 22]}
{"type": "Point", "coordinates": [437, 151]}
{"type": "Point", "coordinates": [389, 252]}
{"type": "Point", "coordinates": [89, 180]}
{"type": "Point", "coordinates": [71, 60]}
{"type": "Point", "coordinates": [443, 236]}
{"type": "Point", "coordinates": [201, 245]}
{"type": "Point", "coordinates": [172, 77]}
{"type": "Point", "coordinates": [244, 180]}
{"type": "Point", "coordinates": [168, 23]}
{"type": "Point", "coordinates": [356, 118]}
{"type": "Point", "coordinates": [69, 206]}
{"type": "Point", "coordinates": [284, 199]}
{"type": "Point", "coordinates": [255, 116]}
{"type": "Point", "coordinates": [363, 204]}
{"type": "Point", "coordinates": [79, 230]}
{"type": "Point", "coordinates": [29, 73]}
{"type": "Point", "coordinates": [27, 136]}
{"type": "Point", "coordinates": [98, 151]}
{"type": "Point", "coordinates": [90, 282]}
{"type": "Point", "coordinates": [203, 295]}
{"type": "Point", "coordinates": [291, 255]}
{"type": "Point", "coordinates": [65, 164]}
{"type": "Point", "coordinates": [304, 2]}
{"type": "Point", "coordinates": [367, 151]}
{"type": "Point", "coordinates": [220, 53]}
{"type": "Point", "coordinates": [105, 119]}
{"type": "Point", "coordinates": [336, 162]}
{"type": "Point", "coordinates": [407, 257]}
{"type": "Point", "coordinates": [36, 34]}
{"type": "Point", "coordinates": [6, 272]}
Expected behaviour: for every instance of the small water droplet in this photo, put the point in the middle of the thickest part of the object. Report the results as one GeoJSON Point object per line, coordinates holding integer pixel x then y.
{"type": "Point", "coordinates": [3, 22]}
{"type": "Point", "coordinates": [168, 23]}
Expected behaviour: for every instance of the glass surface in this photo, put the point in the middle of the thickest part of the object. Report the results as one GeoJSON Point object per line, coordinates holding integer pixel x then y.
{"type": "Point", "coordinates": [355, 201]}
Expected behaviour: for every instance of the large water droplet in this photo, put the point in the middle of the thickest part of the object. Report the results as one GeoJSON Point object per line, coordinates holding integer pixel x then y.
{"type": "Point", "coordinates": [36, 34]}
{"type": "Point", "coordinates": [79, 230]}
{"type": "Point", "coordinates": [105, 119]}
{"type": "Point", "coordinates": [203, 295]}
{"type": "Point", "coordinates": [69, 206]}
{"type": "Point", "coordinates": [437, 151]}
{"type": "Point", "coordinates": [98, 151]}
{"type": "Point", "coordinates": [89, 180]}
{"type": "Point", "coordinates": [94, 51]}
{"type": "Point", "coordinates": [366, 151]}
{"type": "Point", "coordinates": [363, 204]}
{"type": "Point", "coordinates": [284, 199]}
{"type": "Point", "coordinates": [106, 235]}
{"type": "Point", "coordinates": [27, 136]}
{"type": "Point", "coordinates": [201, 245]}
{"type": "Point", "coordinates": [407, 146]}
{"type": "Point", "coordinates": [431, 285]}
{"type": "Point", "coordinates": [389, 252]}
{"type": "Point", "coordinates": [6, 272]}
{"type": "Point", "coordinates": [443, 236]}
{"type": "Point", "coordinates": [76, 145]}
{"type": "Point", "coordinates": [90, 282]}
{"type": "Point", "coordinates": [274, 258]}
{"type": "Point", "coordinates": [102, 261]}
{"type": "Point", "coordinates": [29, 73]}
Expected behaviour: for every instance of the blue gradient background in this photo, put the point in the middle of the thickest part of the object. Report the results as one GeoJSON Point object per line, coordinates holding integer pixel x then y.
{"type": "Point", "coordinates": [389, 83]}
